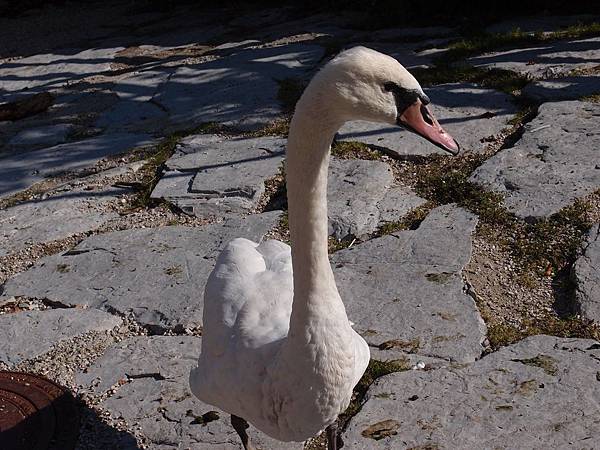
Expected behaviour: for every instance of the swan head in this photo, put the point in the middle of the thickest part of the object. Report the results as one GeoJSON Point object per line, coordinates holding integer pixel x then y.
{"type": "Point", "coordinates": [363, 84]}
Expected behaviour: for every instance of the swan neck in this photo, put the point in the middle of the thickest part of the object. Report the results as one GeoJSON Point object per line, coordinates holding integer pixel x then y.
{"type": "Point", "coordinates": [307, 162]}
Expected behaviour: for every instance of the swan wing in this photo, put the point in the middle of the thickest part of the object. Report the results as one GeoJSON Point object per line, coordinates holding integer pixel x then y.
{"type": "Point", "coordinates": [248, 297]}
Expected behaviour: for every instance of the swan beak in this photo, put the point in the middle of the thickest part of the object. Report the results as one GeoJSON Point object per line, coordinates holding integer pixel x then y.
{"type": "Point", "coordinates": [419, 119]}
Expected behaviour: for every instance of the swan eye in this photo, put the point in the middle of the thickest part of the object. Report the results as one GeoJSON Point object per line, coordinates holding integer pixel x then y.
{"type": "Point", "coordinates": [390, 86]}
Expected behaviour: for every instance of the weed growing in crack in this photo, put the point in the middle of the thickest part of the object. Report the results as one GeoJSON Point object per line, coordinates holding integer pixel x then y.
{"type": "Point", "coordinates": [151, 171]}
{"type": "Point", "coordinates": [354, 150]}
{"type": "Point", "coordinates": [487, 42]}
{"type": "Point", "coordinates": [375, 370]}
{"type": "Point", "coordinates": [500, 335]}
{"type": "Point", "coordinates": [410, 221]}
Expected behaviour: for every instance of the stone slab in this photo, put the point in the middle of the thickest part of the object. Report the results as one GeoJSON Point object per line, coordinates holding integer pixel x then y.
{"type": "Point", "coordinates": [45, 135]}
{"type": "Point", "coordinates": [45, 72]}
{"type": "Point", "coordinates": [20, 170]}
{"type": "Point", "coordinates": [157, 274]}
{"type": "Point", "coordinates": [405, 294]}
{"type": "Point", "coordinates": [210, 175]}
{"type": "Point", "coordinates": [564, 88]}
{"type": "Point", "coordinates": [556, 161]}
{"type": "Point", "coordinates": [361, 197]}
{"type": "Point", "coordinates": [132, 115]}
{"type": "Point", "coordinates": [150, 377]}
{"type": "Point", "coordinates": [470, 113]}
{"type": "Point", "coordinates": [545, 60]}
{"type": "Point", "coordinates": [587, 277]}
{"type": "Point", "coordinates": [239, 90]}
{"type": "Point", "coordinates": [55, 217]}
{"type": "Point", "coordinates": [28, 334]}
{"type": "Point", "coordinates": [542, 392]}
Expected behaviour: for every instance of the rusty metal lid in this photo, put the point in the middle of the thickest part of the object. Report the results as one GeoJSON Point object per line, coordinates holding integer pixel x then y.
{"type": "Point", "coordinates": [36, 413]}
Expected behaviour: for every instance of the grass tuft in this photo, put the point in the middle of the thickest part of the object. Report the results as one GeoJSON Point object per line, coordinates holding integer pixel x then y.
{"type": "Point", "coordinates": [151, 170]}
{"type": "Point", "coordinates": [354, 150]}
{"type": "Point", "coordinates": [502, 80]}
{"type": "Point", "coordinates": [500, 335]}
{"type": "Point", "coordinates": [487, 42]}
{"type": "Point", "coordinates": [376, 369]}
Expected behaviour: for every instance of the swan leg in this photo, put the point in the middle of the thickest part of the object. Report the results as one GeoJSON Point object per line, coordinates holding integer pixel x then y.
{"type": "Point", "coordinates": [240, 425]}
{"type": "Point", "coordinates": [331, 432]}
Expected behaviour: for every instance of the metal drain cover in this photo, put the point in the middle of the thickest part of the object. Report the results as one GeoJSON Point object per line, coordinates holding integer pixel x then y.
{"type": "Point", "coordinates": [36, 413]}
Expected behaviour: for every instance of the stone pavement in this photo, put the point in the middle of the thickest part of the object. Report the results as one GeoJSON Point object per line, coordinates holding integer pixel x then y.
{"type": "Point", "coordinates": [110, 223]}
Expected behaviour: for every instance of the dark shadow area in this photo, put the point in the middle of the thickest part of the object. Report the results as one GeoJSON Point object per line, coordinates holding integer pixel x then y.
{"type": "Point", "coordinates": [38, 414]}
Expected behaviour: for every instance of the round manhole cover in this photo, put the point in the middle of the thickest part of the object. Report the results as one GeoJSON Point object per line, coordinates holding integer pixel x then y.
{"type": "Point", "coordinates": [36, 413]}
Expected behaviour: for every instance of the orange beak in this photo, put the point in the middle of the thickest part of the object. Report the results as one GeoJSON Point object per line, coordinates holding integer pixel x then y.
{"type": "Point", "coordinates": [419, 119]}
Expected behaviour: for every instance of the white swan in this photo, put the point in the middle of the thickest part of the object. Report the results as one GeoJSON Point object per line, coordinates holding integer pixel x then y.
{"type": "Point", "coordinates": [277, 349]}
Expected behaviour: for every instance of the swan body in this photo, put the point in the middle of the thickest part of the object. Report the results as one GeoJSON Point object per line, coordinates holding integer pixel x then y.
{"type": "Point", "coordinates": [277, 347]}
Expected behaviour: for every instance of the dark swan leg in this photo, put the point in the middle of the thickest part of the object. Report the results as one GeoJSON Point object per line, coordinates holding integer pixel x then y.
{"type": "Point", "coordinates": [240, 426]}
{"type": "Point", "coordinates": [331, 432]}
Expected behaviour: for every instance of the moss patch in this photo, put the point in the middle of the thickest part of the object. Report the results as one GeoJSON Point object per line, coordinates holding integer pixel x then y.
{"type": "Point", "coordinates": [410, 221]}
{"type": "Point", "coordinates": [545, 362]}
{"type": "Point", "coordinates": [152, 169]}
{"type": "Point", "coordinates": [375, 370]}
{"type": "Point", "coordinates": [499, 79]}
{"type": "Point", "coordinates": [595, 98]}
{"type": "Point", "coordinates": [487, 42]}
{"type": "Point", "coordinates": [354, 150]}
{"type": "Point", "coordinates": [500, 335]}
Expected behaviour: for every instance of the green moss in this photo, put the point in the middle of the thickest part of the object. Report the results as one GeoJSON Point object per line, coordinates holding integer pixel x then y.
{"type": "Point", "coordinates": [487, 42]}
{"type": "Point", "coordinates": [354, 150]}
{"type": "Point", "coordinates": [63, 268]}
{"type": "Point", "coordinates": [410, 346]}
{"type": "Point", "coordinates": [375, 370]}
{"type": "Point", "coordinates": [594, 98]}
{"type": "Point", "coordinates": [410, 221]}
{"type": "Point", "coordinates": [500, 335]}
{"type": "Point", "coordinates": [151, 170]}
{"type": "Point", "coordinates": [545, 362]}
{"type": "Point", "coordinates": [499, 79]}
{"type": "Point", "coordinates": [279, 127]}
{"type": "Point", "coordinates": [174, 271]}
{"type": "Point", "coordinates": [337, 244]}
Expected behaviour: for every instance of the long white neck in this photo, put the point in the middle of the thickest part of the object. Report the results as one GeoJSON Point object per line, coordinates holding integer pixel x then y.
{"type": "Point", "coordinates": [316, 299]}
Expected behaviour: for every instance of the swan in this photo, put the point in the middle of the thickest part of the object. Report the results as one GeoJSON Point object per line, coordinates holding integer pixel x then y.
{"type": "Point", "coordinates": [277, 348]}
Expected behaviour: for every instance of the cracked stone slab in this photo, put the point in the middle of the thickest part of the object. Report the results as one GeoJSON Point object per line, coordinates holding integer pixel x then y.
{"type": "Point", "coordinates": [215, 176]}
{"type": "Point", "coordinates": [44, 72]}
{"type": "Point", "coordinates": [20, 170]}
{"type": "Point", "coordinates": [471, 114]}
{"type": "Point", "coordinates": [587, 276]}
{"type": "Point", "coordinates": [239, 90]}
{"type": "Point", "coordinates": [56, 217]}
{"type": "Point", "coordinates": [542, 392]}
{"type": "Point", "coordinates": [158, 274]}
{"type": "Point", "coordinates": [361, 197]}
{"type": "Point", "coordinates": [544, 60]}
{"type": "Point", "coordinates": [405, 294]}
{"type": "Point", "coordinates": [26, 335]}
{"type": "Point", "coordinates": [555, 161]}
{"type": "Point", "coordinates": [150, 377]}
{"type": "Point", "coordinates": [564, 88]}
